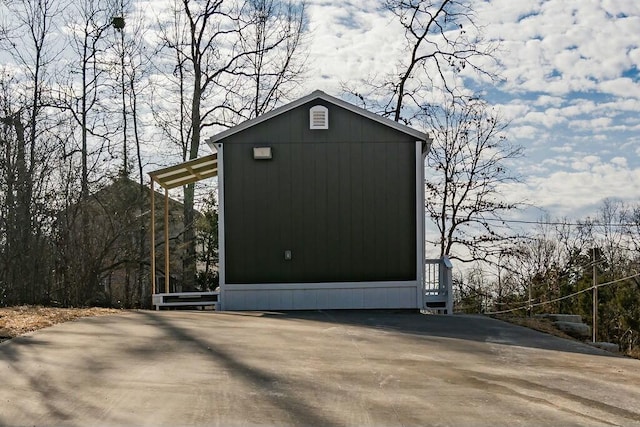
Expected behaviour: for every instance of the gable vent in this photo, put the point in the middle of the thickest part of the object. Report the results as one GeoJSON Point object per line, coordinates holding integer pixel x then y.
{"type": "Point", "coordinates": [319, 117]}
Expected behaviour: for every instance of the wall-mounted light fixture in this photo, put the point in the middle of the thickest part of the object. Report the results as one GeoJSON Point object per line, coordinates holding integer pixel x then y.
{"type": "Point", "coordinates": [262, 153]}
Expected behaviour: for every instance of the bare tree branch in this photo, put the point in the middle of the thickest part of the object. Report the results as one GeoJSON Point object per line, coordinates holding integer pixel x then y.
{"type": "Point", "coordinates": [468, 158]}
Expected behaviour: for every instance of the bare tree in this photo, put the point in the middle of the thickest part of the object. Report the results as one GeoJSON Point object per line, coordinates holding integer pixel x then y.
{"type": "Point", "coordinates": [633, 230]}
{"type": "Point", "coordinates": [12, 161]}
{"type": "Point", "coordinates": [543, 261]}
{"type": "Point", "coordinates": [466, 169]}
{"type": "Point", "coordinates": [209, 45]}
{"type": "Point", "coordinates": [26, 36]}
{"type": "Point", "coordinates": [274, 35]}
{"type": "Point", "coordinates": [84, 94]}
{"type": "Point", "coordinates": [195, 39]}
{"type": "Point", "coordinates": [130, 76]}
{"type": "Point", "coordinates": [610, 232]}
{"type": "Point", "coordinates": [441, 39]}
{"type": "Point", "coordinates": [88, 22]}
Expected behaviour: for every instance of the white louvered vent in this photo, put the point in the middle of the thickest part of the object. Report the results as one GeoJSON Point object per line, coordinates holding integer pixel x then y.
{"type": "Point", "coordinates": [319, 117]}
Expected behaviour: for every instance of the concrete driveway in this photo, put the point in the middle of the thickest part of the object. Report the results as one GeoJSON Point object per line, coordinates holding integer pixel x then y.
{"type": "Point", "coordinates": [310, 368]}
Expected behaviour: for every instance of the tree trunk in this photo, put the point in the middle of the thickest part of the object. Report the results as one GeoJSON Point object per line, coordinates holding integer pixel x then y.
{"type": "Point", "coordinates": [189, 261]}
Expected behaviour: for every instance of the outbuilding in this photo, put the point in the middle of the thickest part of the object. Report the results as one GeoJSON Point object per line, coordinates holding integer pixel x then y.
{"type": "Point", "coordinates": [321, 206]}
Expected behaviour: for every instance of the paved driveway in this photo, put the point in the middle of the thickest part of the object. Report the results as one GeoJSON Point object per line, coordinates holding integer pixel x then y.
{"type": "Point", "coordinates": [312, 368]}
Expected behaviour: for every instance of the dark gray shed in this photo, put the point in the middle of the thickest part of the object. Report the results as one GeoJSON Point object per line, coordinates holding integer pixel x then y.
{"type": "Point", "coordinates": [321, 207]}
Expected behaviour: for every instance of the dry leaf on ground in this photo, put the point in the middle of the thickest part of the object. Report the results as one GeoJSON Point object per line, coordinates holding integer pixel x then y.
{"type": "Point", "coordinates": [15, 321]}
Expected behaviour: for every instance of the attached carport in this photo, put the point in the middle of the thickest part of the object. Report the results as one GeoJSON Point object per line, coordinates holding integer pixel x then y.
{"type": "Point", "coordinates": [168, 178]}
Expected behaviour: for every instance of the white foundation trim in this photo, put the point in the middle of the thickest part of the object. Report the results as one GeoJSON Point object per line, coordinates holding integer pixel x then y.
{"type": "Point", "coordinates": [321, 296]}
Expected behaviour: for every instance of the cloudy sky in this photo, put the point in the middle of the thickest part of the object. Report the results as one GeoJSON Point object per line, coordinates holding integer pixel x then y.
{"type": "Point", "coordinates": [570, 88]}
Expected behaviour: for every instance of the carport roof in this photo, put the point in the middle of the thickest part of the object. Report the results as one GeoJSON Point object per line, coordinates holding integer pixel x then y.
{"type": "Point", "coordinates": [187, 172]}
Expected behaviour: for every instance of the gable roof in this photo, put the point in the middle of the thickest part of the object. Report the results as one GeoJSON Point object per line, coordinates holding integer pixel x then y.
{"type": "Point", "coordinates": [318, 94]}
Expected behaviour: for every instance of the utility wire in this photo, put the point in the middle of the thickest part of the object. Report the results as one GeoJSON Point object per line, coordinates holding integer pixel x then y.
{"type": "Point", "coordinates": [529, 306]}
{"type": "Point", "coordinates": [574, 269]}
{"type": "Point", "coordinates": [523, 221]}
{"type": "Point", "coordinates": [575, 224]}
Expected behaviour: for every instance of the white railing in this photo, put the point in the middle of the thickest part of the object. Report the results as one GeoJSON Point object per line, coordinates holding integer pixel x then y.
{"type": "Point", "coordinates": [438, 285]}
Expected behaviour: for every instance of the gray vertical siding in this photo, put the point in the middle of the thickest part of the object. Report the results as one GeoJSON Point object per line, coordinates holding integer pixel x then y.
{"type": "Point", "coordinates": [342, 200]}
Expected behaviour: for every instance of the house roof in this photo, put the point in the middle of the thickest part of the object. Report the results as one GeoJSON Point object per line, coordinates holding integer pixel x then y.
{"type": "Point", "coordinates": [187, 172]}
{"type": "Point", "coordinates": [318, 94]}
{"type": "Point", "coordinates": [207, 167]}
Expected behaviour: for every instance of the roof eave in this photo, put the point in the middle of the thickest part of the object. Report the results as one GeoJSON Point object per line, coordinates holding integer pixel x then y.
{"type": "Point", "coordinates": [318, 94]}
{"type": "Point", "coordinates": [187, 172]}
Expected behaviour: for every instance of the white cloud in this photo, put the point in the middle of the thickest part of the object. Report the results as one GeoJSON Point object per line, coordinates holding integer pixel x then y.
{"type": "Point", "coordinates": [560, 46]}
{"type": "Point", "coordinates": [619, 161]}
{"type": "Point", "coordinates": [568, 94]}
{"type": "Point", "coordinates": [562, 149]}
{"type": "Point", "coordinates": [350, 42]}
{"type": "Point", "coordinates": [596, 123]}
{"type": "Point", "coordinates": [634, 56]}
{"type": "Point", "coordinates": [547, 118]}
{"type": "Point", "coordinates": [557, 162]}
{"type": "Point", "coordinates": [623, 87]}
{"type": "Point", "coordinates": [571, 193]}
{"type": "Point", "coordinates": [507, 11]}
{"type": "Point", "coordinates": [523, 132]}
{"type": "Point", "coordinates": [513, 111]}
{"type": "Point", "coordinates": [586, 163]}
{"type": "Point", "coordinates": [579, 107]}
{"type": "Point", "coordinates": [617, 7]}
{"type": "Point", "coordinates": [546, 100]}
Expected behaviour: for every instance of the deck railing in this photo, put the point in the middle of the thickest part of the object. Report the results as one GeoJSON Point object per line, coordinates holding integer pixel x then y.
{"type": "Point", "coordinates": [438, 285]}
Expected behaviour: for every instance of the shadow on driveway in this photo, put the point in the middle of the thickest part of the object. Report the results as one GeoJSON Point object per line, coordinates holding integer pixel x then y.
{"type": "Point", "coordinates": [374, 367]}
{"type": "Point", "coordinates": [465, 327]}
{"type": "Point", "coordinates": [279, 396]}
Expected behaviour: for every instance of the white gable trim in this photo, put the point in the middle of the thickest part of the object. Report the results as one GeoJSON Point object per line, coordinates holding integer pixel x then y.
{"type": "Point", "coordinates": [318, 94]}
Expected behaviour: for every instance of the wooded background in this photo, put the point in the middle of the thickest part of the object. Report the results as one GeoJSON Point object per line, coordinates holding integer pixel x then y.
{"type": "Point", "coordinates": [95, 94]}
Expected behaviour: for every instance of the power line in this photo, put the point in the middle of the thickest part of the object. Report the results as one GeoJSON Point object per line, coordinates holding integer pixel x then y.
{"type": "Point", "coordinates": [577, 224]}
{"type": "Point", "coordinates": [539, 222]}
{"type": "Point", "coordinates": [529, 306]}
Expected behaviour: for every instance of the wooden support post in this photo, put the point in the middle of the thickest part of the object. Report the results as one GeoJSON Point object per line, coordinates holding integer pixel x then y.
{"type": "Point", "coordinates": [153, 239]}
{"type": "Point", "coordinates": [166, 241]}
